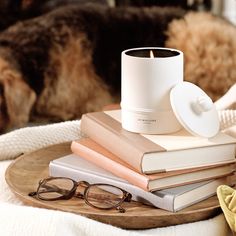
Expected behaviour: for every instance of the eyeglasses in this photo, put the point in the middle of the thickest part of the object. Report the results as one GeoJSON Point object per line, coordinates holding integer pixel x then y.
{"type": "Point", "coordinates": [101, 196]}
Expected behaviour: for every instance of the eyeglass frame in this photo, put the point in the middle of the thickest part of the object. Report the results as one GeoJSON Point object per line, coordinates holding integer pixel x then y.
{"type": "Point", "coordinates": [72, 193]}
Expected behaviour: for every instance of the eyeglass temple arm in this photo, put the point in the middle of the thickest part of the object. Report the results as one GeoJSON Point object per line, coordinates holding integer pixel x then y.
{"type": "Point", "coordinates": [120, 209]}
{"type": "Point", "coordinates": [128, 197]}
{"type": "Point", "coordinates": [52, 188]}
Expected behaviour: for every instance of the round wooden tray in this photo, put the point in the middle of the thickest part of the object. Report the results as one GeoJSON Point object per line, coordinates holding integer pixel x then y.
{"type": "Point", "coordinates": [25, 172]}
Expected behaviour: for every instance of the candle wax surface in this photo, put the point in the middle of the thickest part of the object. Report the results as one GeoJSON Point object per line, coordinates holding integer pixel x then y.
{"type": "Point", "coordinates": [156, 52]}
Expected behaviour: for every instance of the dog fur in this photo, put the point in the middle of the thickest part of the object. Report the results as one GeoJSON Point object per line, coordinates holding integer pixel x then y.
{"type": "Point", "coordinates": [60, 65]}
{"type": "Point", "coordinates": [209, 47]}
{"type": "Point", "coordinates": [67, 63]}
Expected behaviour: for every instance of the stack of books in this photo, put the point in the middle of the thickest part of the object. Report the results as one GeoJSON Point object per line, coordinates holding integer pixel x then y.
{"type": "Point", "coordinates": [168, 171]}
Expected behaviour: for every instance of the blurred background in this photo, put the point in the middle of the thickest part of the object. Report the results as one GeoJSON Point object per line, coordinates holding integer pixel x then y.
{"type": "Point", "coordinates": [15, 10]}
{"type": "Point", "coordinates": [225, 8]}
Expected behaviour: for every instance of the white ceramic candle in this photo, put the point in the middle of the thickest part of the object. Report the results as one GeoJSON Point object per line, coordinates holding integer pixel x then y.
{"type": "Point", "coordinates": [145, 89]}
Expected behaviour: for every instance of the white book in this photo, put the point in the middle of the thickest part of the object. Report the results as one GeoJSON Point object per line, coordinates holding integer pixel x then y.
{"type": "Point", "coordinates": [172, 199]}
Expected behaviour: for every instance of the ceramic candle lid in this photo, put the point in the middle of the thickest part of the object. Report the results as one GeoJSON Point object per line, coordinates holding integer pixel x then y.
{"type": "Point", "coordinates": [194, 109]}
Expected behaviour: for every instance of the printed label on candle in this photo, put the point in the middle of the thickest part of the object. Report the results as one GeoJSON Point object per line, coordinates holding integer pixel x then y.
{"type": "Point", "coordinates": [147, 121]}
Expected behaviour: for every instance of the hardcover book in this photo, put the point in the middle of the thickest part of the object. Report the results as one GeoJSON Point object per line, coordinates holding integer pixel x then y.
{"type": "Point", "coordinates": [172, 199]}
{"type": "Point", "coordinates": [156, 153]}
{"type": "Point", "coordinates": [87, 149]}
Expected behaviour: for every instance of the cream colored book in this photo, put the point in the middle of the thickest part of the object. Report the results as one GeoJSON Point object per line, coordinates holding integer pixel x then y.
{"type": "Point", "coordinates": [156, 153]}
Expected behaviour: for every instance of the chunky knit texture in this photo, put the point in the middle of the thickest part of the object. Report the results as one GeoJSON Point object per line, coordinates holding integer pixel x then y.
{"type": "Point", "coordinates": [28, 139]}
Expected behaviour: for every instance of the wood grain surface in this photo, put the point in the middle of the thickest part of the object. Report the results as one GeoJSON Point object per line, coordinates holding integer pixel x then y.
{"type": "Point", "coordinates": [25, 172]}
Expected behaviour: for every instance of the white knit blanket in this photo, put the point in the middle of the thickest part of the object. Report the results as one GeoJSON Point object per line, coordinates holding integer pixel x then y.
{"type": "Point", "coordinates": [29, 139]}
{"type": "Point", "coordinates": [18, 219]}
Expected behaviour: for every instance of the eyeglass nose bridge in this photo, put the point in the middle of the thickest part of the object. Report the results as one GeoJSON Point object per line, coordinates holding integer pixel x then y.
{"type": "Point", "coordinates": [83, 184]}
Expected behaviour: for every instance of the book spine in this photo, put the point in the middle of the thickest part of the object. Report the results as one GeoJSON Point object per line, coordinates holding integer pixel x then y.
{"type": "Point", "coordinates": [108, 164]}
{"type": "Point", "coordinates": [111, 141]}
{"type": "Point", "coordinates": [163, 202]}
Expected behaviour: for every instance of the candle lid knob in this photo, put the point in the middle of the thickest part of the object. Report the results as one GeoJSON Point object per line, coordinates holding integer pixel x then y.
{"type": "Point", "coordinates": [203, 104]}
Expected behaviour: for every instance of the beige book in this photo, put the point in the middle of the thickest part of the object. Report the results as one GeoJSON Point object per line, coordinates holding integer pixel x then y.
{"type": "Point", "coordinates": [156, 153]}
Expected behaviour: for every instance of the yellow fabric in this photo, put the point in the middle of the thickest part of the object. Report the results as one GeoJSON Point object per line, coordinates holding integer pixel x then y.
{"type": "Point", "coordinates": [227, 199]}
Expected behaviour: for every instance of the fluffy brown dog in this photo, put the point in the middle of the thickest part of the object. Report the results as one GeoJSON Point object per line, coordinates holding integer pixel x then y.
{"type": "Point", "coordinates": [66, 63]}
{"type": "Point", "coordinates": [61, 65]}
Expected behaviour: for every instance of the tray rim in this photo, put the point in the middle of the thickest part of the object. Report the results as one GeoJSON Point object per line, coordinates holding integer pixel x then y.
{"type": "Point", "coordinates": [208, 211]}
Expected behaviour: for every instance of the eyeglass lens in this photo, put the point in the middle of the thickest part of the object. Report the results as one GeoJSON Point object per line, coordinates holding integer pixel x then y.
{"type": "Point", "coordinates": [55, 188]}
{"type": "Point", "coordinates": [104, 196]}
{"type": "Point", "coordinates": [98, 195]}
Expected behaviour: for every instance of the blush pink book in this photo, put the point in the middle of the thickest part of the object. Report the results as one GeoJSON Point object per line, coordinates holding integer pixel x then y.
{"type": "Point", "coordinates": [88, 149]}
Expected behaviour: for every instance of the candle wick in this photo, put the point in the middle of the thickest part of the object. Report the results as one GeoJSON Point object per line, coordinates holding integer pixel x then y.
{"type": "Point", "coordinates": [151, 54]}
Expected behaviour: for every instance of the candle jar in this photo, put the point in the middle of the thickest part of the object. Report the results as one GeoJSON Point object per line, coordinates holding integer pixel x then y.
{"type": "Point", "coordinates": [148, 75]}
